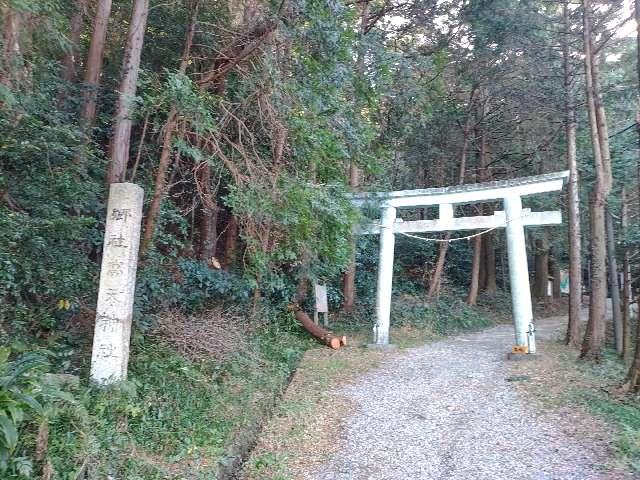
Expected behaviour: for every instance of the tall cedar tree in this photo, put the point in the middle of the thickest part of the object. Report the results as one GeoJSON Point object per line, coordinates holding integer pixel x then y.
{"type": "Point", "coordinates": [594, 338]}
{"type": "Point", "coordinates": [121, 138]}
{"type": "Point", "coordinates": [93, 67]}
{"type": "Point", "coordinates": [574, 231]}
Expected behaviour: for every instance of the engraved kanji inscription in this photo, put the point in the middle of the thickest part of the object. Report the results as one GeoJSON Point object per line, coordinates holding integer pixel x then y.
{"type": "Point", "coordinates": [107, 350]}
{"type": "Point", "coordinates": [120, 214]}
{"type": "Point", "coordinates": [117, 241]}
{"type": "Point", "coordinates": [107, 323]}
{"type": "Point", "coordinates": [112, 296]}
{"type": "Point", "coordinates": [115, 268]}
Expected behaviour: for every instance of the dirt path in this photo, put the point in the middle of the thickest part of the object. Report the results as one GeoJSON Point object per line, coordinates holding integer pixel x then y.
{"type": "Point", "coordinates": [450, 410]}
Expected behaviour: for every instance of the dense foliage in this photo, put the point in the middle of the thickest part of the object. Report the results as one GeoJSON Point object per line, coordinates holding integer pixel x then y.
{"type": "Point", "coordinates": [259, 161]}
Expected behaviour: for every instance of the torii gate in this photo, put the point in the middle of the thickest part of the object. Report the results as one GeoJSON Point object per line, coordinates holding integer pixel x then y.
{"type": "Point", "coordinates": [514, 218]}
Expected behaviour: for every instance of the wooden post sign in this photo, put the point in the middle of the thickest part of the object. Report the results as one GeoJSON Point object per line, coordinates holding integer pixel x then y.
{"type": "Point", "coordinates": [117, 284]}
{"type": "Point", "coordinates": [322, 306]}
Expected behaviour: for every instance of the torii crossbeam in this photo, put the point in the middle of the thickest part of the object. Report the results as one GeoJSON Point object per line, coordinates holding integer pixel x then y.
{"type": "Point", "coordinates": [513, 219]}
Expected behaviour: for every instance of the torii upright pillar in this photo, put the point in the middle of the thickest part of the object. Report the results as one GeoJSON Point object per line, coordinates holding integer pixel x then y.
{"type": "Point", "coordinates": [519, 274]}
{"type": "Point", "coordinates": [385, 277]}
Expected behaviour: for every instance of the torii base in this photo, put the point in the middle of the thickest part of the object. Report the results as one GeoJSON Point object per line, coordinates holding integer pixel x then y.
{"type": "Point", "coordinates": [519, 349]}
{"type": "Point", "coordinates": [518, 356]}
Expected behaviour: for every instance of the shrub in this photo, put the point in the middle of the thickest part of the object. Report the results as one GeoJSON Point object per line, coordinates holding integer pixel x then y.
{"type": "Point", "coordinates": [26, 393]}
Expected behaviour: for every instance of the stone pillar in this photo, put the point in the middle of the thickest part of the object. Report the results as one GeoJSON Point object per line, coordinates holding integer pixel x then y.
{"type": "Point", "coordinates": [385, 277]}
{"type": "Point", "coordinates": [519, 274]}
{"type": "Point", "coordinates": [117, 284]}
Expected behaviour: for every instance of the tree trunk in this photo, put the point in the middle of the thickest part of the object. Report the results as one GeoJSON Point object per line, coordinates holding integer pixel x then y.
{"type": "Point", "coordinates": [556, 292]}
{"type": "Point", "coordinates": [541, 282]}
{"type": "Point", "coordinates": [626, 280]}
{"type": "Point", "coordinates": [614, 285]}
{"type": "Point", "coordinates": [490, 285]}
{"type": "Point", "coordinates": [349, 276]}
{"type": "Point", "coordinates": [69, 71]}
{"type": "Point", "coordinates": [575, 250]}
{"type": "Point", "coordinates": [349, 284]}
{"type": "Point", "coordinates": [93, 66]}
{"type": "Point", "coordinates": [603, 130]}
{"type": "Point", "coordinates": [472, 298]}
{"type": "Point", "coordinates": [436, 276]}
{"type": "Point", "coordinates": [474, 286]}
{"type": "Point", "coordinates": [208, 219]}
{"type": "Point", "coordinates": [126, 91]}
{"type": "Point", "coordinates": [230, 243]}
{"type": "Point", "coordinates": [488, 260]}
{"type": "Point", "coordinates": [633, 376]}
{"type": "Point", "coordinates": [243, 14]}
{"type": "Point", "coordinates": [322, 335]}
{"type": "Point", "coordinates": [208, 234]}
{"type": "Point", "coordinates": [482, 274]}
{"type": "Point", "coordinates": [160, 182]}
{"type": "Point", "coordinates": [13, 72]}
{"type": "Point", "coordinates": [595, 332]}
{"type": "Point", "coordinates": [167, 147]}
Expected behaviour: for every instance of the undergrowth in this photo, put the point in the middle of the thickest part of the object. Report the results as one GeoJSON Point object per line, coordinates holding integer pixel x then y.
{"type": "Point", "coordinates": [625, 414]}
{"type": "Point", "coordinates": [622, 411]}
{"type": "Point", "coordinates": [415, 320]}
{"type": "Point", "coordinates": [172, 418]}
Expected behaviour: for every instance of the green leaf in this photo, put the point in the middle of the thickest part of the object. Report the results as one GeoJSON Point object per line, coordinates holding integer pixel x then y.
{"type": "Point", "coordinates": [32, 402]}
{"type": "Point", "coordinates": [59, 394]}
{"type": "Point", "coordinates": [4, 355]}
{"type": "Point", "coordinates": [9, 431]}
{"type": "Point", "coordinates": [22, 365]}
{"type": "Point", "coordinates": [16, 413]}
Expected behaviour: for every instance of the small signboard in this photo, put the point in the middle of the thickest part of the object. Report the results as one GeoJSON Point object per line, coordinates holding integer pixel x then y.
{"type": "Point", "coordinates": [564, 282]}
{"type": "Point", "coordinates": [322, 306]}
{"type": "Point", "coordinates": [321, 298]}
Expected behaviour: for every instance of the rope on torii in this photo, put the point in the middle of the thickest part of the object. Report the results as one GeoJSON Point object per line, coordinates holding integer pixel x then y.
{"type": "Point", "coordinates": [443, 240]}
{"type": "Point", "coordinates": [450, 240]}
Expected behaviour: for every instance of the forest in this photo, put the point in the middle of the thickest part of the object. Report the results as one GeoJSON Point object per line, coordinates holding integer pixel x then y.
{"type": "Point", "coordinates": [249, 124]}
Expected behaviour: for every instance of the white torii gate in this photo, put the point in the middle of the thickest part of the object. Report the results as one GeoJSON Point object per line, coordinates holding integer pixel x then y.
{"type": "Point", "coordinates": [513, 218]}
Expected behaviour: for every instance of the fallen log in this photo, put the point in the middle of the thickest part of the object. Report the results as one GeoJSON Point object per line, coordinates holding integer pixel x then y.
{"type": "Point", "coordinates": [322, 335]}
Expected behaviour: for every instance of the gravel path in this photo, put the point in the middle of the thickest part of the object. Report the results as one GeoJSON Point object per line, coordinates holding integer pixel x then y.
{"type": "Point", "coordinates": [447, 411]}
